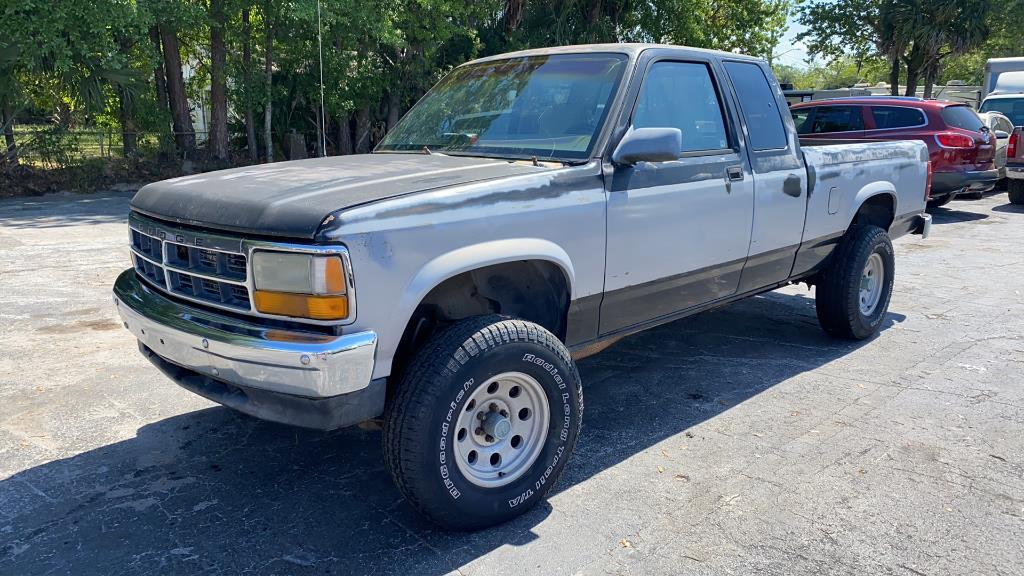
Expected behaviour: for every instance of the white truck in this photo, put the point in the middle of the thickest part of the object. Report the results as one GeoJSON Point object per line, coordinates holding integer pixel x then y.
{"type": "Point", "coordinates": [532, 208]}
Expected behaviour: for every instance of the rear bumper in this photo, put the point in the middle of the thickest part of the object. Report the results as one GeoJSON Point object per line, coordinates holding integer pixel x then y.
{"type": "Point", "coordinates": [1015, 172]}
{"type": "Point", "coordinates": [946, 183]}
{"type": "Point", "coordinates": [302, 378]}
{"type": "Point", "coordinates": [911, 224]}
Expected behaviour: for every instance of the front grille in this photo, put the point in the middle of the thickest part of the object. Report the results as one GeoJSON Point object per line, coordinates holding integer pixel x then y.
{"type": "Point", "coordinates": [216, 277]}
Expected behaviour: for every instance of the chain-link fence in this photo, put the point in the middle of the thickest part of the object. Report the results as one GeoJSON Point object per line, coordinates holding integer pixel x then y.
{"type": "Point", "coordinates": [48, 147]}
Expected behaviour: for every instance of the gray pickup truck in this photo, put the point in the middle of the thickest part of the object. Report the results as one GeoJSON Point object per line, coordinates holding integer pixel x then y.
{"type": "Point", "coordinates": [531, 209]}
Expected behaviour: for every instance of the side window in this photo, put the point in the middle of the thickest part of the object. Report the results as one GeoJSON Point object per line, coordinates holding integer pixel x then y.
{"type": "Point", "coordinates": [760, 110]}
{"type": "Point", "coordinates": [837, 119]}
{"type": "Point", "coordinates": [800, 118]}
{"type": "Point", "coordinates": [897, 117]}
{"type": "Point", "coordinates": [1004, 125]}
{"type": "Point", "coordinates": [682, 95]}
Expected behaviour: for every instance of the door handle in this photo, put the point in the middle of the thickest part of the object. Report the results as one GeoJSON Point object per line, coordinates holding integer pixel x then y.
{"type": "Point", "coordinates": [732, 174]}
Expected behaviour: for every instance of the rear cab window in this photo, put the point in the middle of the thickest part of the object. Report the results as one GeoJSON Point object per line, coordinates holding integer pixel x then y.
{"type": "Point", "coordinates": [962, 117]}
{"type": "Point", "coordinates": [758, 106]}
{"type": "Point", "coordinates": [887, 117]}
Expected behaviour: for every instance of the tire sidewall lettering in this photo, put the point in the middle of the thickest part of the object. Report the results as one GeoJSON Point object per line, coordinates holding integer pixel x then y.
{"type": "Point", "coordinates": [556, 387]}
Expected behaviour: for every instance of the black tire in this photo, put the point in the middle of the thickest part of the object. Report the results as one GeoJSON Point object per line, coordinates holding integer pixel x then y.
{"type": "Point", "coordinates": [837, 297]}
{"type": "Point", "coordinates": [941, 201]}
{"type": "Point", "coordinates": [419, 428]}
{"type": "Point", "coordinates": [1015, 190]}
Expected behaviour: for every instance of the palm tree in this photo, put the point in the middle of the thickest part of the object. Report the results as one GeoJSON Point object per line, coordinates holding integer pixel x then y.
{"type": "Point", "coordinates": [945, 28]}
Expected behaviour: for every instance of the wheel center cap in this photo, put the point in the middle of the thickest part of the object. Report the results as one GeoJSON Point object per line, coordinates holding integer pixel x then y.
{"type": "Point", "coordinates": [497, 425]}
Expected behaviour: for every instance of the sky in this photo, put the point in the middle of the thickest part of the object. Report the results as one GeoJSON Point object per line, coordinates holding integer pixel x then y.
{"type": "Point", "coordinates": [789, 51]}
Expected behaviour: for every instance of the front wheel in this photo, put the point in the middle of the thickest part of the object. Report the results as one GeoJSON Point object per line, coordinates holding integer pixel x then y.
{"type": "Point", "coordinates": [1015, 190]}
{"type": "Point", "coordinates": [853, 293]}
{"type": "Point", "coordinates": [483, 422]}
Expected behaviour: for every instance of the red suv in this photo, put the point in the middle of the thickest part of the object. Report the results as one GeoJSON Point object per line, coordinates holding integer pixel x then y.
{"type": "Point", "coordinates": [962, 150]}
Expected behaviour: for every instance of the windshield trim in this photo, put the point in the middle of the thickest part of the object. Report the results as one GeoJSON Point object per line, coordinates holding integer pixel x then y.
{"type": "Point", "coordinates": [597, 140]}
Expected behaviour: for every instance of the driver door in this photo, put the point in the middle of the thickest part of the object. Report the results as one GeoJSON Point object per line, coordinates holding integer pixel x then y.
{"type": "Point", "coordinates": [678, 231]}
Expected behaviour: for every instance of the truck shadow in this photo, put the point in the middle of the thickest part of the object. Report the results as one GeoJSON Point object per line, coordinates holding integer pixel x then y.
{"type": "Point", "coordinates": [215, 491]}
{"type": "Point", "coordinates": [946, 215]}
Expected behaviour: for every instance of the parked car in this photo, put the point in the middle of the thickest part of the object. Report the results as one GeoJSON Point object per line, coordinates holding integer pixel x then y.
{"type": "Point", "coordinates": [1001, 128]}
{"type": "Point", "coordinates": [531, 208]}
{"type": "Point", "coordinates": [1015, 167]}
{"type": "Point", "coordinates": [961, 149]}
{"type": "Point", "coordinates": [1010, 105]}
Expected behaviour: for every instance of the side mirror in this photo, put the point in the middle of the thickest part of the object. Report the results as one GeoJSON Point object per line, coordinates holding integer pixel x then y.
{"type": "Point", "coordinates": [648, 145]}
{"type": "Point", "coordinates": [1000, 134]}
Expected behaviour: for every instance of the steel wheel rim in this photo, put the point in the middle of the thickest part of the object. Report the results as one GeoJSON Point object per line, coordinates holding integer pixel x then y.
{"type": "Point", "coordinates": [871, 281]}
{"type": "Point", "coordinates": [501, 429]}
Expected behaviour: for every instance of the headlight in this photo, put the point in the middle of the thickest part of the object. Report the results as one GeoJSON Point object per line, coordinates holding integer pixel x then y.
{"type": "Point", "coordinates": [300, 285]}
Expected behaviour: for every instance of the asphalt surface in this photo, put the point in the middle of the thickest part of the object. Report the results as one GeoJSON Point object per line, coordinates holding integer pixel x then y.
{"type": "Point", "coordinates": [740, 441]}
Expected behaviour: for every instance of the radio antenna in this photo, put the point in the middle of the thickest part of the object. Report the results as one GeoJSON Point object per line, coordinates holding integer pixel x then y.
{"type": "Point", "coordinates": [320, 44]}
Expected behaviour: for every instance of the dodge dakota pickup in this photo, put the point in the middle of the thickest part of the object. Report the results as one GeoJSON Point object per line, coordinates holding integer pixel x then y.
{"type": "Point", "coordinates": [529, 210]}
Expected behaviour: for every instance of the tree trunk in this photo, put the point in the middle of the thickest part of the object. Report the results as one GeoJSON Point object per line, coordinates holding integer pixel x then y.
{"type": "Point", "coordinates": [268, 70]}
{"type": "Point", "coordinates": [931, 73]}
{"type": "Point", "coordinates": [929, 83]}
{"type": "Point", "coordinates": [218, 84]}
{"type": "Point", "coordinates": [912, 75]}
{"type": "Point", "coordinates": [250, 120]}
{"type": "Point", "coordinates": [125, 105]}
{"type": "Point", "coordinates": [513, 15]}
{"type": "Point", "coordinates": [894, 75]}
{"type": "Point", "coordinates": [7, 119]}
{"type": "Point", "coordinates": [129, 131]}
{"type": "Point", "coordinates": [344, 135]}
{"type": "Point", "coordinates": [184, 132]}
{"type": "Point", "coordinates": [160, 83]}
{"type": "Point", "coordinates": [362, 130]}
{"type": "Point", "coordinates": [320, 136]}
{"type": "Point", "coordinates": [915, 62]}
{"type": "Point", "coordinates": [394, 108]}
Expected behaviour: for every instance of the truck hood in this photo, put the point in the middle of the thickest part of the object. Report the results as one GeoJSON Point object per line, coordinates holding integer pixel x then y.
{"type": "Point", "coordinates": [291, 199]}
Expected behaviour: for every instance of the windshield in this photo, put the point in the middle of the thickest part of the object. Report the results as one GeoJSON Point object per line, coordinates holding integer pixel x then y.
{"type": "Point", "coordinates": [1012, 108]}
{"type": "Point", "coordinates": [548, 107]}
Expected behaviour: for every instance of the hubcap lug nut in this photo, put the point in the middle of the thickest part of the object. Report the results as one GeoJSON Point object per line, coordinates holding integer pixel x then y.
{"type": "Point", "coordinates": [489, 438]}
{"type": "Point", "coordinates": [479, 431]}
{"type": "Point", "coordinates": [480, 415]}
{"type": "Point", "coordinates": [504, 413]}
{"type": "Point", "coordinates": [493, 407]}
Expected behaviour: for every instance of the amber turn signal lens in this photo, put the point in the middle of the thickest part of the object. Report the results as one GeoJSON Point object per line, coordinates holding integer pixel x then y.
{"type": "Point", "coordinates": [301, 305]}
{"type": "Point", "coordinates": [333, 281]}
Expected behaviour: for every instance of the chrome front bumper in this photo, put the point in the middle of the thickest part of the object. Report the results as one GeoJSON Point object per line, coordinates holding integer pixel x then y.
{"type": "Point", "coordinates": [244, 354]}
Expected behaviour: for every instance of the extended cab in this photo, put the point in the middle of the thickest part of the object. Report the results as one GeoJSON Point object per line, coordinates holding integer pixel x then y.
{"type": "Point", "coordinates": [530, 209]}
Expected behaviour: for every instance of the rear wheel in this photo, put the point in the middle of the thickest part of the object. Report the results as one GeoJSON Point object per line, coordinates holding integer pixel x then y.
{"type": "Point", "coordinates": [853, 293]}
{"type": "Point", "coordinates": [483, 422]}
{"type": "Point", "coordinates": [1015, 189]}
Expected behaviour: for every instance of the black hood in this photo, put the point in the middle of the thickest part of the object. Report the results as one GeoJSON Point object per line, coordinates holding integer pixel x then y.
{"type": "Point", "coordinates": [292, 198]}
